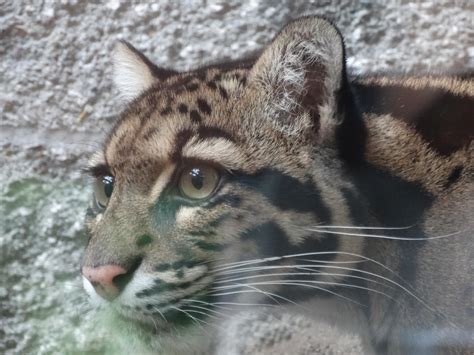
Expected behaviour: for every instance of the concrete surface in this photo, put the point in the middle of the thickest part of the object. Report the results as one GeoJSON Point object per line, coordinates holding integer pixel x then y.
{"type": "Point", "coordinates": [57, 100]}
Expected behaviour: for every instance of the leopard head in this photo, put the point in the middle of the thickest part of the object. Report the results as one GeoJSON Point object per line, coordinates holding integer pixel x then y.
{"type": "Point", "coordinates": [211, 173]}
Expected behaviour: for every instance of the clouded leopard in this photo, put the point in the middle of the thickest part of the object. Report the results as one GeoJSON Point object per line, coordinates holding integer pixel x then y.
{"type": "Point", "coordinates": [283, 181]}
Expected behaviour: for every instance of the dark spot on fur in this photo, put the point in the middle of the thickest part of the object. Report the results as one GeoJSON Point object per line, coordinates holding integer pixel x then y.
{"type": "Point", "coordinates": [181, 139]}
{"type": "Point", "coordinates": [216, 222]}
{"type": "Point", "coordinates": [192, 87]}
{"type": "Point", "coordinates": [166, 111]}
{"type": "Point", "coordinates": [162, 286]}
{"type": "Point", "coordinates": [202, 232]}
{"type": "Point", "coordinates": [208, 246]}
{"type": "Point", "coordinates": [203, 106]}
{"type": "Point", "coordinates": [223, 93]}
{"type": "Point", "coordinates": [201, 75]}
{"type": "Point", "coordinates": [454, 176]}
{"type": "Point", "coordinates": [177, 265]}
{"type": "Point", "coordinates": [150, 133]}
{"type": "Point", "coordinates": [144, 240]}
{"type": "Point", "coordinates": [212, 85]}
{"type": "Point", "coordinates": [195, 116]}
{"type": "Point", "coordinates": [182, 108]}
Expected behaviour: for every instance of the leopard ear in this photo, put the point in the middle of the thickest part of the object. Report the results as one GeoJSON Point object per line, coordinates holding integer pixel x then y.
{"type": "Point", "coordinates": [299, 77]}
{"type": "Point", "coordinates": [133, 72]}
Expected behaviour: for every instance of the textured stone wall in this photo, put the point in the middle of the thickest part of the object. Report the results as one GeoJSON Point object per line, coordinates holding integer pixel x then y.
{"type": "Point", "coordinates": [57, 100]}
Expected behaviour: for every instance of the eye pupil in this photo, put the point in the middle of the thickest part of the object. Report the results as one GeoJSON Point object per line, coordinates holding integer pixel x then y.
{"type": "Point", "coordinates": [108, 185]}
{"type": "Point", "coordinates": [197, 178]}
{"type": "Point", "coordinates": [103, 188]}
{"type": "Point", "coordinates": [198, 182]}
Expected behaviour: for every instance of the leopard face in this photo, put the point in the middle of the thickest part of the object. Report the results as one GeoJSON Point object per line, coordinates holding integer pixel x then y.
{"type": "Point", "coordinates": [215, 169]}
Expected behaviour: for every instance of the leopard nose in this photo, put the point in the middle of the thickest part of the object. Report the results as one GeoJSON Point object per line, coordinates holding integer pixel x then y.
{"type": "Point", "coordinates": [107, 280]}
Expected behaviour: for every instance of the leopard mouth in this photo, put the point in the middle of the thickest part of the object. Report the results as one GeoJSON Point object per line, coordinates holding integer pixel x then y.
{"type": "Point", "coordinates": [165, 318]}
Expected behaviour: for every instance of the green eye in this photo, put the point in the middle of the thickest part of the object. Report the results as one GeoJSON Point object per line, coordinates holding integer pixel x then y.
{"type": "Point", "coordinates": [198, 181]}
{"type": "Point", "coordinates": [103, 190]}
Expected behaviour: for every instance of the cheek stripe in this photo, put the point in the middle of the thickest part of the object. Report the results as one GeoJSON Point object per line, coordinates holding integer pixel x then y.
{"type": "Point", "coordinates": [178, 265]}
{"type": "Point", "coordinates": [209, 246]}
{"type": "Point", "coordinates": [161, 286]}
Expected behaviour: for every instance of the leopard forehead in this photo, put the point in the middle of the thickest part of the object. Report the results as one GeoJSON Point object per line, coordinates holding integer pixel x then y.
{"type": "Point", "coordinates": [204, 114]}
{"type": "Point", "coordinates": [158, 123]}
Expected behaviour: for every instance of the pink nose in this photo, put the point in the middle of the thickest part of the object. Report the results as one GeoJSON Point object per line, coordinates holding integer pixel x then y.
{"type": "Point", "coordinates": [104, 279]}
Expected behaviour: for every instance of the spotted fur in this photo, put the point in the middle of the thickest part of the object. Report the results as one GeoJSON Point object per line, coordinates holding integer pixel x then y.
{"type": "Point", "coordinates": [301, 146]}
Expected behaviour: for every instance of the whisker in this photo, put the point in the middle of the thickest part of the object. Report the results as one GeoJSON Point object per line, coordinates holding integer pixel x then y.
{"type": "Point", "coordinates": [192, 317]}
{"type": "Point", "coordinates": [412, 294]}
{"type": "Point", "coordinates": [302, 274]}
{"type": "Point", "coordinates": [200, 312]}
{"type": "Point", "coordinates": [334, 267]}
{"type": "Point", "coordinates": [334, 262]}
{"type": "Point", "coordinates": [291, 283]}
{"type": "Point", "coordinates": [277, 258]}
{"type": "Point", "coordinates": [207, 309]}
{"type": "Point", "coordinates": [218, 304]}
{"type": "Point", "coordinates": [365, 228]}
{"type": "Point", "coordinates": [270, 295]}
{"type": "Point", "coordinates": [206, 303]}
{"type": "Point", "coordinates": [160, 313]}
{"type": "Point", "coordinates": [154, 323]}
{"type": "Point", "coordinates": [247, 304]}
{"type": "Point", "coordinates": [384, 236]}
{"type": "Point", "coordinates": [329, 283]}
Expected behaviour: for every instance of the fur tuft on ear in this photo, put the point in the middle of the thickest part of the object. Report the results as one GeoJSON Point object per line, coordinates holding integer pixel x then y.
{"type": "Point", "coordinates": [300, 75]}
{"type": "Point", "coordinates": [134, 72]}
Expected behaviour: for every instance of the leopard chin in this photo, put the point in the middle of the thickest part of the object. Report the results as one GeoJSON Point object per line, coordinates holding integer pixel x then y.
{"type": "Point", "coordinates": [134, 334]}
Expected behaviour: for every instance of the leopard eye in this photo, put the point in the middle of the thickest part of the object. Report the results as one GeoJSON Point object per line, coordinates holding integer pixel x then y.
{"type": "Point", "coordinates": [103, 188]}
{"type": "Point", "coordinates": [198, 181]}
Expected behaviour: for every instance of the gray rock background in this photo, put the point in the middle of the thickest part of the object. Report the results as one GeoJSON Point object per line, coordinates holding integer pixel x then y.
{"type": "Point", "coordinates": [57, 100]}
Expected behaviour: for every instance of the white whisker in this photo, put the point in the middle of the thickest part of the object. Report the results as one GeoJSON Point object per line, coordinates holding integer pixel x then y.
{"type": "Point", "coordinates": [301, 274]}
{"type": "Point", "coordinates": [277, 258]}
{"type": "Point", "coordinates": [200, 312]}
{"type": "Point", "coordinates": [383, 236]}
{"type": "Point", "coordinates": [161, 314]}
{"type": "Point", "coordinates": [334, 267]}
{"type": "Point", "coordinates": [292, 283]}
{"type": "Point", "coordinates": [192, 317]}
{"type": "Point", "coordinates": [365, 228]}
{"type": "Point", "coordinates": [206, 303]}
{"type": "Point", "coordinates": [254, 289]}
{"type": "Point", "coordinates": [207, 309]}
